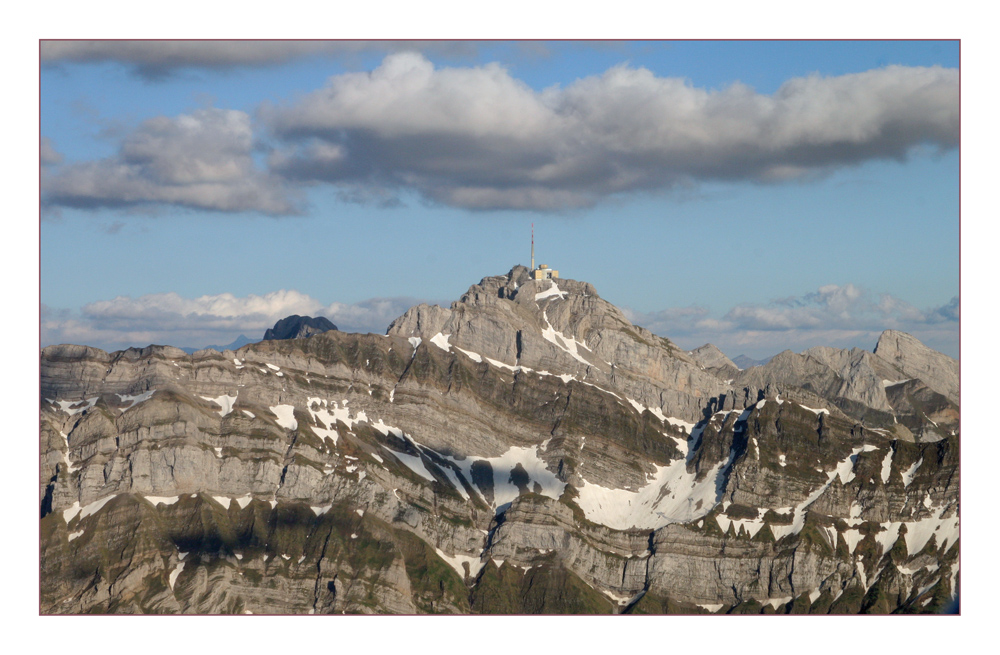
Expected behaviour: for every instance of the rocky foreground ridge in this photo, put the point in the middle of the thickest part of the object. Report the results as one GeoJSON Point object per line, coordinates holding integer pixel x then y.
{"type": "Point", "coordinates": [527, 450]}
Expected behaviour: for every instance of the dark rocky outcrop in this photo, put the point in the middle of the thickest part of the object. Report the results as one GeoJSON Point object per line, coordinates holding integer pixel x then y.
{"type": "Point", "coordinates": [298, 327]}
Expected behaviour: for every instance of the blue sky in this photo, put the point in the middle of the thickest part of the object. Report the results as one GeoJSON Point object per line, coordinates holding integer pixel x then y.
{"type": "Point", "coordinates": [756, 195]}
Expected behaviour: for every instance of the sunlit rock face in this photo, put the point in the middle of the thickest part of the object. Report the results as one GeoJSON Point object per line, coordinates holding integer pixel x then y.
{"type": "Point", "coordinates": [526, 450]}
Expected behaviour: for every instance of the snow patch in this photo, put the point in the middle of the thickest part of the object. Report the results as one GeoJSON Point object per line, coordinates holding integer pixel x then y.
{"type": "Point", "coordinates": [887, 466]}
{"type": "Point", "coordinates": [412, 462]}
{"type": "Point", "coordinates": [911, 472]}
{"type": "Point", "coordinates": [135, 400]}
{"type": "Point", "coordinates": [551, 292]}
{"type": "Point", "coordinates": [918, 533]}
{"type": "Point", "coordinates": [163, 500]}
{"type": "Point", "coordinates": [817, 412]}
{"type": "Point", "coordinates": [564, 343]}
{"type": "Point", "coordinates": [456, 562]}
{"type": "Point", "coordinates": [671, 496]}
{"type": "Point", "coordinates": [223, 401]}
{"type": "Point", "coordinates": [243, 501]}
{"type": "Point", "coordinates": [285, 416]}
{"type": "Point", "coordinates": [250, 414]}
{"type": "Point", "coordinates": [222, 500]}
{"type": "Point", "coordinates": [176, 572]}
{"type": "Point", "coordinates": [441, 341]}
{"type": "Point", "coordinates": [74, 535]}
{"type": "Point", "coordinates": [778, 602]}
{"type": "Point", "coordinates": [473, 356]}
{"type": "Point", "coordinates": [65, 405]}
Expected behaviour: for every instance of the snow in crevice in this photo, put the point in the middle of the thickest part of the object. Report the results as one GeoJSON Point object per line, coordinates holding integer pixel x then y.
{"type": "Point", "coordinates": [887, 466]}
{"type": "Point", "coordinates": [74, 535]}
{"type": "Point", "coordinates": [564, 343]}
{"type": "Point", "coordinates": [911, 472]}
{"type": "Point", "coordinates": [415, 342]}
{"type": "Point", "coordinates": [175, 573]}
{"type": "Point", "coordinates": [65, 455]}
{"type": "Point", "coordinates": [224, 401]}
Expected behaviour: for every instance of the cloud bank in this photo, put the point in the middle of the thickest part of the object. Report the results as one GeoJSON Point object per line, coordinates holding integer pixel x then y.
{"type": "Point", "coordinates": [839, 316]}
{"type": "Point", "coordinates": [477, 138]}
{"type": "Point", "coordinates": [169, 319]}
{"type": "Point", "coordinates": [154, 60]}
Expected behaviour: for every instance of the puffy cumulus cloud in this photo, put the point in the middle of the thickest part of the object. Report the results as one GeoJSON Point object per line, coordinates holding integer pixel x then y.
{"type": "Point", "coordinates": [201, 160]}
{"type": "Point", "coordinates": [158, 59]}
{"type": "Point", "coordinates": [840, 316]}
{"type": "Point", "coordinates": [478, 138]}
{"type": "Point", "coordinates": [170, 319]}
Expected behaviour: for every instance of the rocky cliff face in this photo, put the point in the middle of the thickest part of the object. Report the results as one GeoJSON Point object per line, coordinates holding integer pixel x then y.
{"type": "Point", "coordinates": [526, 450]}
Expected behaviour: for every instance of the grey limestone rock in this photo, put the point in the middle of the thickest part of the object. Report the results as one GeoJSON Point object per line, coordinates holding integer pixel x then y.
{"type": "Point", "coordinates": [526, 450]}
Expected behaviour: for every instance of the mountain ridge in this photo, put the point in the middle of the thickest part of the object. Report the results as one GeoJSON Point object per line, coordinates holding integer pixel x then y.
{"type": "Point", "coordinates": [526, 438]}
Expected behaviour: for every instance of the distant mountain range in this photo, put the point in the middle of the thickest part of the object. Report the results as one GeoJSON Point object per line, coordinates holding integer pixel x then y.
{"type": "Point", "coordinates": [290, 327]}
{"type": "Point", "coordinates": [526, 451]}
{"type": "Point", "coordinates": [240, 341]}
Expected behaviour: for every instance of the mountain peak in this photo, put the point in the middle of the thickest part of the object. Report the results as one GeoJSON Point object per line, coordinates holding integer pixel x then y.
{"type": "Point", "coordinates": [298, 327]}
{"type": "Point", "coordinates": [915, 360]}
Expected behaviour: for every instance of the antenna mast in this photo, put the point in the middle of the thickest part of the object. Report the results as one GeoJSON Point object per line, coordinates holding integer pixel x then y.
{"type": "Point", "coordinates": [532, 246]}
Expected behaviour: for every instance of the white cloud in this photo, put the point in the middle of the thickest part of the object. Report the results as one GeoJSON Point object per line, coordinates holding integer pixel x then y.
{"type": "Point", "coordinates": [170, 319]}
{"type": "Point", "coordinates": [478, 138]}
{"type": "Point", "coordinates": [840, 316]}
{"type": "Point", "coordinates": [201, 160]}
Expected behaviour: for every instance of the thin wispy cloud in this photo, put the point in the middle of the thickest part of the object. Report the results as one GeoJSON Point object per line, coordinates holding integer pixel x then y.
{"type": "Point", "coordinates": [157, 60]}
{"type": "Point", "coordinates": [834, 315]}
{"type": "Point", "coordinates": [170, 319]}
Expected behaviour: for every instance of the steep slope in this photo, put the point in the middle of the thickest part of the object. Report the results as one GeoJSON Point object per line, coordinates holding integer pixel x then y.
{"type": "Point", "coordinates": [527, 450]}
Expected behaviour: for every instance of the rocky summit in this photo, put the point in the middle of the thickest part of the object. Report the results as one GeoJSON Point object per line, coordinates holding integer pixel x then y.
{"type": "Point", "coordinates": [526, 450]}
{"type": "Point", "coordinates": [298, 327]}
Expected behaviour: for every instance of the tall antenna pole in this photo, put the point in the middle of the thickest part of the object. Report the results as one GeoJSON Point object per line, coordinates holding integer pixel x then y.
{"type": "Point", "coordinates": [532, 246]}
